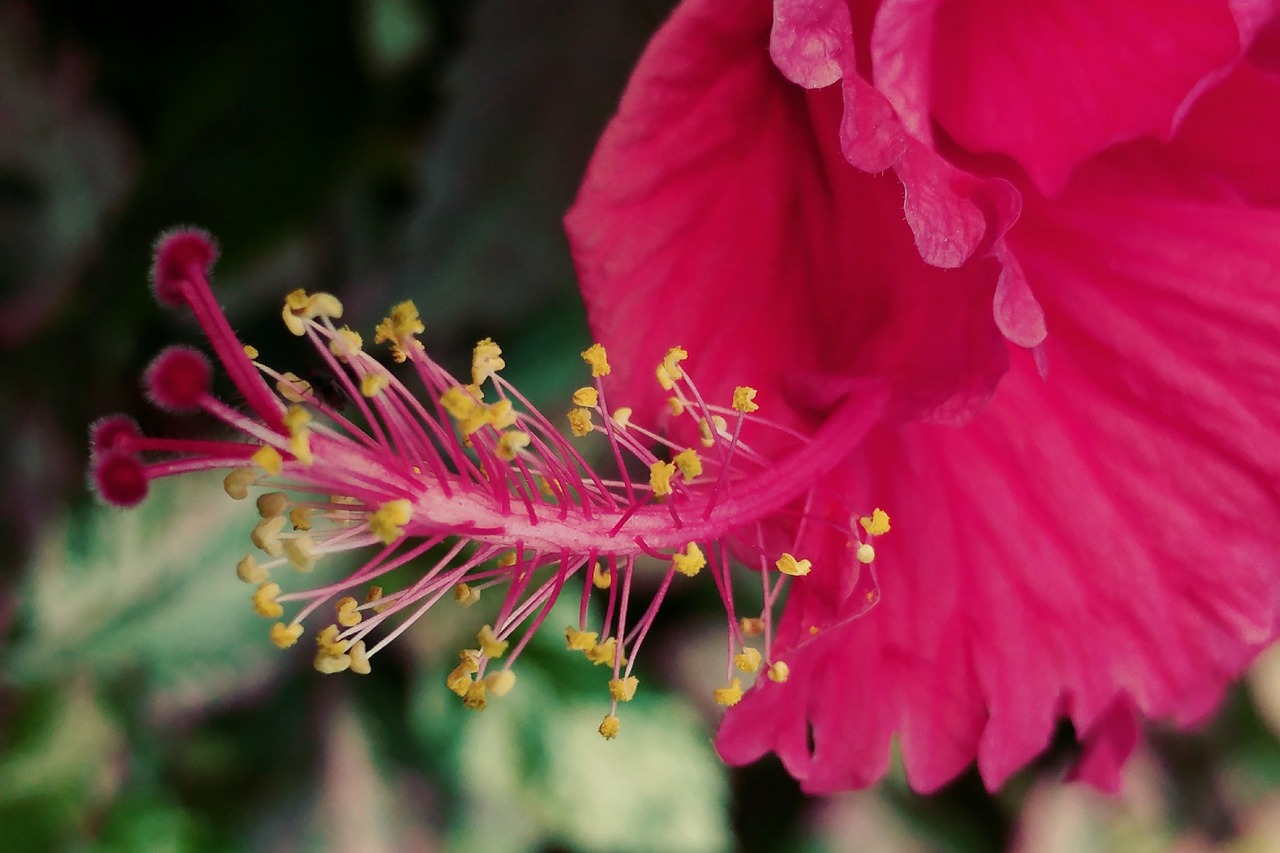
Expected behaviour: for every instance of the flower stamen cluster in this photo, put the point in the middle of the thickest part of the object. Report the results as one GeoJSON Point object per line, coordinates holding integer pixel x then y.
{"type": "Point", "coordinates": [474, 487]}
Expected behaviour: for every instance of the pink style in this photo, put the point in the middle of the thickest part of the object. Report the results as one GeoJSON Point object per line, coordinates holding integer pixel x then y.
{"type": "Point", "coordinates": [464, 488]}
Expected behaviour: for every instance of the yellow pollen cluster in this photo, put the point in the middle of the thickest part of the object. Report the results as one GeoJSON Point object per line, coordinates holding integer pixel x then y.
{"type": "Point", "coordinates": [300, 307]}
{"type": "Point", "coordinates": [264, 601]}
{"type": "Point", "coordinates": [705, 430]}
{"type": "Point", "coordinates": [346, 343]}
{"type": "Point", "coordinates": [670, 372]}
{"type": "Point", "coordinates": [600, 578]}
{"type": "Point", "coordinates": [660, 474]}
{"type": "Point", "coordinates": [249, 571]}
{"type": "Point", "coordinates": [604, 652]}
{"type": "Point", "coordinates": [877, 524]}
{"type": "Point", "coordinates": [236, 484]}
{"type": "Point", "coordinates": [744, 399]}
{"type": "Point", "coordinates": [580, 641]}
{"type": "Point", "coordinates": [268, 459]}
{"type": "Point", "coordinates": [465, 595]}
{"type": "Point", "coordinates": [296, 419]}
{"type": "Point", "coordinates": [486, 361]}
{"type": "Point", "coordinates": [265, 536]}
{"type": "Point", "coordinates": [586, 396]}
{"type": "Point", "coordinates": [348, 611]}
{"type": "Point", "coordinates": [789, 565]}
{"type": "Point", "coordinates": [729, 696]}
{"type": "Point", "coordinates": [747, 660]}
{"type": "Point", "coordinates": [623, 689]}
{"type": "Point", "coordinates": [609, 728]}
{"type": "Point", "coordinates": [284, 635]}
{"type": "Point", "coordinates": [511, 443]}
{"type": "Point", "coordinates": [580, 421]}
{"type": "Point", "coordinates": [388, 522]}
{"type": "Point", "coordinates": [621, 417]}
{"type": "Point", "coordinates": [293, 387]}
{"type": "Point", "coordinates": [779, 672]}
{"type": "Point", "coordinates": [399, 328]}
{"type": "Point", "coordinates": [500, 683]}
{"type": "Point", "coordinates": [689, 463]}
{"type": "Point", "coordinates": [690, 561]}
{"type": "Point", "coordinates": [865, 553]}
{"type": "Point", "coordinates": [298, 551]}
{"type": "Point", "coordinates": [597, 359]}
{"type": "Point", "coordinates": [372, 384]}
{"type": "Point", "coordinates": [271, 504]}
{"type": "Point", "coordinates": [490, 645]}
{"type": "Point", "coordinates": [752, 626]}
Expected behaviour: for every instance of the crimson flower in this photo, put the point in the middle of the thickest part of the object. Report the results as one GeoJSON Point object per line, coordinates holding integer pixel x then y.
{"type": "Point", "coordinates": [1050, 233]}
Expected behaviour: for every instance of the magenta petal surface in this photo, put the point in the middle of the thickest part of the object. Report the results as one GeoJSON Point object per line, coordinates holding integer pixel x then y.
{"type": "Point", "coordinates": [721, 213]}
{"type": "Point", "coordinates": [1052, 83]}
{"type": "Point", "coordinates": [1107, 537]}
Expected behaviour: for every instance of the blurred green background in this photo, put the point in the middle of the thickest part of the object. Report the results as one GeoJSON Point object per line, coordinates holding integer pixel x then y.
{"type": "Point", "coordinates": [381, 150]}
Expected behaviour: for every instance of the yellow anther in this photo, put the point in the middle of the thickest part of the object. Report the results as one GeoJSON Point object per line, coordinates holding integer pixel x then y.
{"type": "Point", "coordinates": [507, 560]}
{"type": "Point", "coordinates": [348, 610]}
{"type": "Point", "coordinates": [609, 728]}
{"type": "Point", "coordinates": [676, 406]}
{"type": "Point", "coordinates": [744, 399]}
{"type": "Point", "coordinates": [486, 360]}
{"type": "Point", "coordinates": [511, 443]}
{"type": "Point", "coordinates": [298, 551]}
{"type": "Point", "coordinates": [272, 504]}
{"type": "Point", "coordinates": [236, 484]}
{"type": "Point", "coordinates": [284, 635]}
{"type": "Point", "coordinates": [323, 305]}
{"type": "Point", "coordinates": [580, 421]}
{"type": "Point", "coordinates": [266, 535]}
{"type": "Point", "coordinates": [747, 660]}
{"type": "Point", "coordinates": [705, 427]}
{"type": "Point", "coordinates": [623, 689]}
{"type": "Point", "coordinates": [621, 417]}
{"type": "Point", "coordinates": [479, 418]}
{"type": "Point", "coordinates": [458, 403]}
{"type": "Point", "coordinates": [346, 343]}
{"type": "Point", "coordinates": [469, 660]}
{"type": "Point", "coordinates": [293, 388]}
{"type": "Point", "coordinates": [399, 328]}
{"type": "Point", "coordinates": [660, 474]}
{"type": "Point", "coordinates": [669, 372]}
{"type": "Point", "coordinates": [603, 652]}
{"type": "Point", "coordinates": [502, 414]}
{"type": "Point", "coordinates": [251, 352]}
{"type": "Point", "coordinates": [865, 553]}
{"type": "Point", "coordinates": [789, 565]}
{"type": "Point", "coordinates": [490, 645]}
{"type": "Point", "coordinates": [388, 522]}
{"type": "Point", "coordinates": [300, 517]}
{"type": "Point", "coordinates": [268, 459]}
{"type": "Point", "coordinates": [300, 446]}
{"type": "Point", "coordinates": [689, 463]}
{"type": "Point", "coordinates": [600, 577]}
{"type": "Point", "coordinates": [752, 626]}
{"type": "Point", "coordinates": [877, 524]}
{"type": "Point", "coordinates": [330, 664]}
{"type": "Point", "coordinates": [729, 696]}
{"type": "Point", "coordinates": [474, 698]}
{"type": "Point", "coordinates": [597, 359]}
{"type": "Point", "coordinates": [296, 418]}
{"type": "Point", "coordinates": [327, 642]}
{"type": "Point", "coordinates": [359, 658]}
{"type": "Point", "coordinates": [586, 396]}
{"type": "Point", "coordinates": [500, 683]}
{"type": "Point", "coordinates": [295, 303]}
{"type": "Point", "coordinates": [264, 601]}
{"type": "Point", "coordinates": [779, 671]}
{"type": "Point", "coordinates": [249, 571]}
{"type": "Point", "coordinates": [372, 384]}
{"type": "Point", "coordinates": [580, 641]}
{"type": "Point", "coordinates": [690, 561]}
{"type": "Point", "coordinates": [458, 680]}
{"type": "Point", "coordinates": [664, 377]}
{"type": "Point", "coordinates": [465, 595]}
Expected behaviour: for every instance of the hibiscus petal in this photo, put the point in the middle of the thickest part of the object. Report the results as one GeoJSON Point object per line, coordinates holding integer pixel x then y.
{"type": "Point", "coordinates": [719, 213]}
{"type": "Point", "coordinates": [1109, 535]}
{"type": "Point", "coordinates": [1052, 83]}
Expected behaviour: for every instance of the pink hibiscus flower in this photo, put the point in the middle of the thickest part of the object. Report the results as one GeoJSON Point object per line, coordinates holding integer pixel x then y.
{"type": "Point", "coordinates": [1052, 232]}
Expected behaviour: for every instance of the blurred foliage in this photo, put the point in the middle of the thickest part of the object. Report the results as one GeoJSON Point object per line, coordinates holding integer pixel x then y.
{"type": "Point", "coordinates": [379, 149]}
